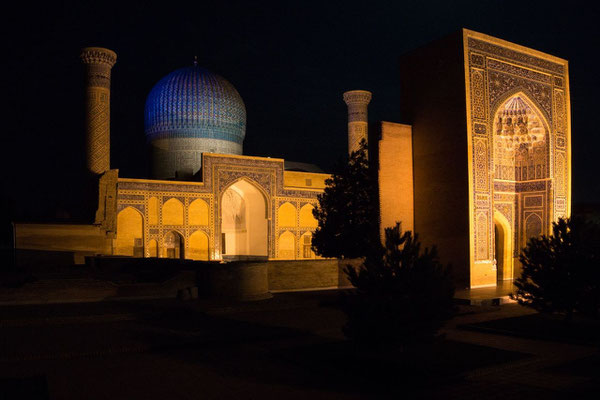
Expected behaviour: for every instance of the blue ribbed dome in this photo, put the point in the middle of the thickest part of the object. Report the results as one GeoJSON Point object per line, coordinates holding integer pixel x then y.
{"type": "Point", "coordinates": [193, 103]}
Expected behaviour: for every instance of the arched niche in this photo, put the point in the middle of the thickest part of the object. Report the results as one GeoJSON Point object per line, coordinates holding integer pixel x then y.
{"type": "Point", "coordinates": [307, 220]}
{"type": "Point", "coordinates": [130, 233]}
{"type": "Point", "coordinates": [533, 226]}
{"type": "Point", "coordinates": [198, 246]}
{"type": "Point", "coordinates": [244, 223]}
{"type": "Point", "coordinates": [172, 212]}
{"type": "Point", "coordinates": [198, 213]}
{"type": "Point", "coordinates": [521, 140]}
{"type": "Point", "coordinates": [286, 215]}
{"type": "Point", "coordinates": [287, 246]}
{"type": "Point", "coordinates": [306, 248]}
{"type": "Point", "coordinates": [173, 245]}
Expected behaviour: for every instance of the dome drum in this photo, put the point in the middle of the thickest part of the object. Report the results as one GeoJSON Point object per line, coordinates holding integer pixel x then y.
{"type": "Point", "coordinates": [173, 155]}
{"type": "Point", "coordinates": [189, 112]}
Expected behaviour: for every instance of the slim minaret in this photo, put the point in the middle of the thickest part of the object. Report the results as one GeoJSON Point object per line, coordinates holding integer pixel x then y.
{"type": "Point", "coordinates": [357, 102]}
{"type": "Point", "coordinates": [98, 62]}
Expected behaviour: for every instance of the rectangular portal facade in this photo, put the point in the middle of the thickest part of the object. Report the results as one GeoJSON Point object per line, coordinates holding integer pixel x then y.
{"type": "Point", "coordinates": [491, 150]}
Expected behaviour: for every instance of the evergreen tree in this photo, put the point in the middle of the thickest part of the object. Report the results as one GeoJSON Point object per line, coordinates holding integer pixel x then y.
{"type": "Point", "coordinates": [561, 272]}
{"type": "Point", "coordinates": [403, 295]}
{"type": "Point", "coordinates": [347, 212]}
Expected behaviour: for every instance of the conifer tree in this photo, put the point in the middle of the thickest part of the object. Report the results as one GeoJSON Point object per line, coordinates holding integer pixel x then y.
{"type": "Point", "coordinates": [347, 212]}
{"type": "Point", "coordinates": [403, 295]}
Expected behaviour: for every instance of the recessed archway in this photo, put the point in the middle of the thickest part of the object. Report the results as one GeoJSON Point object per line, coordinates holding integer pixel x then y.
{"type": "Point", "coordinates": [198, 246]}
{"type": "Point", "coordinates": [130, 233]}
{"type": "Point", "coordinates": [173, 245]}
{"type": "Point", "coordinates": [244, 223]}
{"type": "Point", "coordinates": [287, 246]}
{"type": "Point", "coordinates": [503, 247]}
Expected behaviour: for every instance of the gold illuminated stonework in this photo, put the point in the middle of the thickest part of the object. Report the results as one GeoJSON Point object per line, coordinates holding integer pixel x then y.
{"type": "Point", "coordinates": [98, 62]}
{"type": "Point", "coordinates": [519, 134]}
{"type": "Point", "coordinates": [357, 102]}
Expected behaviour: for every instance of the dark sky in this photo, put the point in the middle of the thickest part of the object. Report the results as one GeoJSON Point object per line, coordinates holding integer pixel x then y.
{"type": "Point", "coordinates": [290, 61]}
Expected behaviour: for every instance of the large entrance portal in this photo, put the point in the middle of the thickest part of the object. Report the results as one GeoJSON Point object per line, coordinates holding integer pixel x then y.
{"type": "Point", "coordinates": [244, 223]}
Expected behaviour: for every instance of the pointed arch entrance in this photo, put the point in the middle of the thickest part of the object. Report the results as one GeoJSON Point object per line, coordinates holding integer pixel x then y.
{"type": "Point", "coordinates": [503, 248]}
{"type": "Point", "coordinates": [244, 222]}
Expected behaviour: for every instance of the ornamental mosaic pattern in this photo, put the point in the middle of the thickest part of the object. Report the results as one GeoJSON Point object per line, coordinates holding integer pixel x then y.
{"type": "Point", "coordinates": [219, 173]}
{"type": "Point", "coordinates": [482, 242]}
{"type": "Point", "coordinates": [478, 94]}
{"type": "Point", "coordinates": [523, 148]}
{"type": "Point", "coordinates": [481, 164]}
{"type": "Point", "coordinates": [502, 84]}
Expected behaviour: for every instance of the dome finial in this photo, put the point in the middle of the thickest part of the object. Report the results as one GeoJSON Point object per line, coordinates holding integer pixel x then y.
{"type": "Point", "coordinates": [195, 61]}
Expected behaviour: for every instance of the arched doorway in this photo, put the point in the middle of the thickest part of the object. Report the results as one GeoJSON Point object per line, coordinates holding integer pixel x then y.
{"type": "Point", "coordinates": [244, 223]}
{"type": "Point", "coordinates": [503, 247]}
{"type": "Point", "coordinates": [173, 245]}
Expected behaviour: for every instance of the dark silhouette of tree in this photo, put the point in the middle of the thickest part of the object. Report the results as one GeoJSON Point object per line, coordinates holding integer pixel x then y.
{"type": "Point", "coordinates": [347, 212]}
{"type": "Point", "coordinates": [403, 295]}
{"type": "Point", "coordinates": [561, 272]}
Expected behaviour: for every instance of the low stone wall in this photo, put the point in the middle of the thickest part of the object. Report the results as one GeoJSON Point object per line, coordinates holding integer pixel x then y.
{"type": "Point", "coordinates": [289, 276]}
{"type": "Point", "coordinates": [106, 278]}
{"type": "Point", "coordinates": [90, 290]}
{"type": "Point", "coordinates": [68, 243]}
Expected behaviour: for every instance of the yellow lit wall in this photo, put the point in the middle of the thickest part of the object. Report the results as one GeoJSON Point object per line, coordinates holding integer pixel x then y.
{"type": "Point", "coordinates": [396, 200]}
{"type": "Point", "coordinates": [309, 180]}
{"type": "Point", "coordinates": [198, 213]}
{"type": "Point", "coordinates": [172, 212]}
{"type": "Point", "coordinates": [153, 211]}
{"type": "Point", "coordinates": [307, 220]}
{"type": "Point", "coordinates": [152, 249]}
{"type": "Point", "coordinates": [286, 215]}
{"type": "Point", "coordinates": [80, 240]}
{"type": "Point", "coordinates": [198, 246]}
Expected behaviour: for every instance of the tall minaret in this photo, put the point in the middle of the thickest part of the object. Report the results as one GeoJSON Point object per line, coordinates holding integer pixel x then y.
{"type": "Point", "coordinates": [98, 62]}
{"type": "Point", "coordinates": [357, 102]}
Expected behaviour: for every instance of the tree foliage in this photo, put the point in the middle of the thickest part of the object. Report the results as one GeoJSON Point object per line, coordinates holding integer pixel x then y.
{"type": "Point", "coordinates": [561, 272]}
{"type": "Point", "coordinates": [347, 212]}
{"type": "Point", "coordinates": [403, 295]}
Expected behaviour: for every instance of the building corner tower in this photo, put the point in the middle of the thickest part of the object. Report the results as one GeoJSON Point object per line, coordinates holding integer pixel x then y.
{"type": "Point", "coordinates": [98, 62]}
{"type": "Point", "coordinates": [357, 102]}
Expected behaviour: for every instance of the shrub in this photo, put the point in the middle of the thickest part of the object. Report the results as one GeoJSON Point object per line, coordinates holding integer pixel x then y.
{"type": "Point", "coordinates": [403, 296]}
{"type": "Point", "coordinates": [561, 272]}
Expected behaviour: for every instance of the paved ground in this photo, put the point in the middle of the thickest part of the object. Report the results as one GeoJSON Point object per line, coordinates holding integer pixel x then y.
{"type": "Point", "coordinates": [279, 348]}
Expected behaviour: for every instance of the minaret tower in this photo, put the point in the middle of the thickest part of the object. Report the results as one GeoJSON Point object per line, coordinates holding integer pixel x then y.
{"type": "Point", "coordinates": [357, 102]}
{"type": "Point", "coordinates": [98, 62]}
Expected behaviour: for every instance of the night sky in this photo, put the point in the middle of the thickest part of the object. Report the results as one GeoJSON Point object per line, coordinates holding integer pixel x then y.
{"type": "Point", "coordinates": [290, 61]}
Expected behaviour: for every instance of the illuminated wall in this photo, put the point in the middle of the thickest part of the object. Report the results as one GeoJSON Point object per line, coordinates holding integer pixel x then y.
{"type": "Point", "coordinates": [395, 178]}
{"type": "Point", "coordinates": [518, 124]}
{"type": "Point", "coordinates": [247, 206]}
{"type": "Point", "coordinates": [491, 150]}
